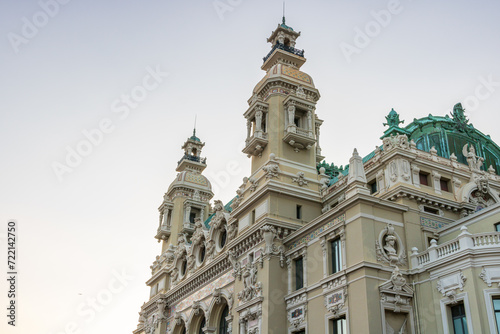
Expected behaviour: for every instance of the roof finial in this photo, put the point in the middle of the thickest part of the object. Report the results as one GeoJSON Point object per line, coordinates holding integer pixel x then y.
{"type": "Point", "coordinates": [194, 129]}
{"type": "Point", "coordinates": [283, 11]}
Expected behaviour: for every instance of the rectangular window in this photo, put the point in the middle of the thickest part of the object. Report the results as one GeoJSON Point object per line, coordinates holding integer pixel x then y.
{"type": "Point", "coordinates": [298, 212]}
{"type": "Point", "coordinates": [336, 254]}
{"type": "Point", "coordinates": [192, 216]}
{"type": "Point", "coordinates": [444, 184]}
{"type": "Point", "coordinates": [373, 186]}
{"type": "Point", "coordinates": [496, 308]}
{"type": "Point", "coordinates": [458, 319]}
{"type": "Point", "coordinates": [338, 326]}
{"type": "Point", "coordinates": [299, 273]}
{"type": "Point", "coordinates": [497, 227]}
{"type": "Point", "coordinates": [300, 332]}
{"type": "Point", "coordinates": [424, 179]}
{"type": "Point", "coordinates": [252, 217]}
{"type": "Point", "coordinates": [431, 210]}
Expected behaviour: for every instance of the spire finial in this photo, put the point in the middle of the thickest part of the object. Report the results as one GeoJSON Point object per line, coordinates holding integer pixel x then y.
{"type": "Point", "coordinates": [194, 129]}
{"type": "Point", "coordinates": [283, 12]}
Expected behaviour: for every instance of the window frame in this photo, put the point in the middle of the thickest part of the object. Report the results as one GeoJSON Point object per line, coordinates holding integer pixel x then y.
{"type": "Point", "coordinates": [297, 260]}
{"type": "Point", "coordinates": [338, 255]}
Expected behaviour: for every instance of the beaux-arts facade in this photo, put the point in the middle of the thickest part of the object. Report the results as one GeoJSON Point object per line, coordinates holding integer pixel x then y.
{"type": "Point", "coordinates": [404, 240]}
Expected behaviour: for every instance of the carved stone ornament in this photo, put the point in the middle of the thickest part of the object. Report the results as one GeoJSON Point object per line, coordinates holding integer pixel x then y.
{"type": "Point", "coordinates": [210, 248]}
{"type": "Point", "coordinates": [396, 294]}
{"type": "Point", "coordinates": [252, 288]}
{"type": "Point", "coordinates": [481, 197]}
{"type": "Point", "coordinates": [334, 302]}
{"type": "Point", "coordinates": [254, 183]}
{"type": "Point", "coordinates": [300, 179]}
{"type": "Point", "coordinates": [449, 285]}
{"type": "Point", "coordinates": [475, 162]}
{"type": "Point", "coordinates": [198, 234]}
{"type": "Point", "coordinates": [269, 233]}
{"type": "Point", "coordinates": [392, 142]}
{"type": "Point", "coordinates": [390, 330]}
{"type": "Point", "coordinates": [490, 275]}
{"type": "Point", "coordinates": [389, 247]}
{"type": "Point", "coordinates": [219, 217]}
{"type": "Point", "coordinates": [239, 194]}
{"type": "Point", "coordinates": [272, 167]}
{"type": "Point", "coordinates": [233, 258]}
{"type": "Point", "coordinates": [232, 231]}
{"type": "Point", "coordinates": [142, 319]}
{"type": "Point", "coordinates": [300, 92]}
{"type": "Point", "coordinates": [162, 307]}
{"type": "Point", "coordinates": [297, 316]}
{"type": "Point", "coordinates": [181, 246]}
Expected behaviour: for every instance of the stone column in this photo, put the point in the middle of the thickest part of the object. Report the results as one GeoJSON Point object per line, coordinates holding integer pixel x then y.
{"type": "Point", "coordinates": [304, 268]}
{"type": "Point", "coordinates": [258, 121]}
{"type": "Point", "coordinates": [324, 247]}
{"type": "Point", "coordinates": [242, 327]}
{"type": "Point", "coordinates": [289, 266]}
{"type": "Point", "coordinates": [291, 118]}
{"type": "Point", "coordinates": [249, 129]}
{"type": "Point", "coordinates": [309, 123]}
{"type": "Point", "coordinates": [188, 213]}
{"type": "Point", "coordinates": [166, 215]}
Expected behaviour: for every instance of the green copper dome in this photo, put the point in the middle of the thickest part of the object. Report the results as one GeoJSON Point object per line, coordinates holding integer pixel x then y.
{"type": "Point", "coordinates": [447, 135]}
{"type": "Point", "coordinates": [193, 137]}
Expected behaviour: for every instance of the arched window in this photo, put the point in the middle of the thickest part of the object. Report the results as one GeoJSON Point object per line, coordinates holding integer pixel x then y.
{"type": "Point", "coordinates": [200, 331]}
{"type": "Point", "coordinates": [223, 321]}
{"type": "Point", "coordinates": [183, 330]}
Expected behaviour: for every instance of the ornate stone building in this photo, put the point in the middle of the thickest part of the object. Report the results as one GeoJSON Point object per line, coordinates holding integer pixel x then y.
{"type": "Point", "coordinates": [404, 240]}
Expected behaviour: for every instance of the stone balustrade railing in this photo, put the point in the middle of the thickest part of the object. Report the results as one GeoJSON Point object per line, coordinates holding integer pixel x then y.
{"type": "Point", "coordinates": [463, 242]}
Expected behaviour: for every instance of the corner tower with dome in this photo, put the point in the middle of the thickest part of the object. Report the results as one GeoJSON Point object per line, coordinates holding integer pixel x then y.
{"type": "Point", "coordinates": [403, 239]}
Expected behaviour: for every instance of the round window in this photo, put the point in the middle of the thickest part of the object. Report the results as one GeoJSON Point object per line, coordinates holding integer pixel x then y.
{"type": "Point", "coordinates": [201, 253]}
{"type": "Point", "coordinates": [183, 267]}
{"type": "Point", "coordinates": [222, 238]}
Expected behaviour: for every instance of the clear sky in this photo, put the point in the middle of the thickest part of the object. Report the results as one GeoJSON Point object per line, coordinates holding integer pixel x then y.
{"type": "Point", "coordinates": [139, 72]}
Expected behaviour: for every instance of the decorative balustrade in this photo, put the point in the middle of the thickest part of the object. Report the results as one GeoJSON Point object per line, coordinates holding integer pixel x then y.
{"type": "Point", "coordinates": [284, 48]}
{"type": "Point", "coordinates": [486, 239]}
{"type": "Point", "coordinates": [463, 242]}
{"type": "Point", "coordinates": [192, 158]}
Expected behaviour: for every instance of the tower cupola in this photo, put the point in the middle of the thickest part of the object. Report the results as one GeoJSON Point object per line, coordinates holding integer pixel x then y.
{"type": "Point", "coordinates": [192, 159]}
{"type": "Point", "coordinates": [283, 50]}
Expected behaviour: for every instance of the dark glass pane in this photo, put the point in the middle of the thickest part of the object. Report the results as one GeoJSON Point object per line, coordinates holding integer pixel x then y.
{"type": "Point", "coordinates": [200, 331]}
{"type": "Point", "coordinates": [421, 144]}
{"type": "Point", "coordinates": [459, 320]}
{"type": "Point", "coordinates": [444, 185]}
{"type": "Point", "coordinates": [424, 179]}
{"type": "Point", "coordinates": [202, 253]}
{"type": "Point", "coordinates": [496, 301]}
{"type": "Point", "coordinates": [299, 274]}
{"type": "Point", "coordinates": [436, 141]}
{"type": "Point", "coordinates": [223, 237]}
{"type": "Point", "coordinates": [223, 321]}
{"type": "Point", "coordinates": [491, 160]}
{"type": "Point", "coordinates": [456, 144]}
{"type": "Point", "coordinates": [336, 256]}
{"type": "Point", "coordinates": [339, 326]}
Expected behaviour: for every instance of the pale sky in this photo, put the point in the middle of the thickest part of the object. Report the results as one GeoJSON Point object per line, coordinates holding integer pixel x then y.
{"type": "Point", "coordinates": [65, 74]}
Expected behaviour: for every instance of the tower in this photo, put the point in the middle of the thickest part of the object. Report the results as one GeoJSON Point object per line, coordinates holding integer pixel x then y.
{"type": "Point", "coordinates": [281, 117]}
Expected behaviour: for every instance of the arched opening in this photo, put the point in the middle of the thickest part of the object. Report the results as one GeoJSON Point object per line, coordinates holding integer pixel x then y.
{"type": "Point", "coordinates": [223, 325]}
{"type": "Point", "coordinates": [180, 329]}
{"type": "Point", "coordinates": [202, 325]}
{"type": "Point", "coordinates": [287, 42]}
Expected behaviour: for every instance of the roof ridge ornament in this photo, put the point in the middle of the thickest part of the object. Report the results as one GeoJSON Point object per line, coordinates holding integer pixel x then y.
{"type": "Point", "coordinates": [461, 121]}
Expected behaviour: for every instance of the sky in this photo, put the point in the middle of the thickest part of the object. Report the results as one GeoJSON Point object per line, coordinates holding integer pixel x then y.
{"type": "Point", "coordinates": [98, 97]}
